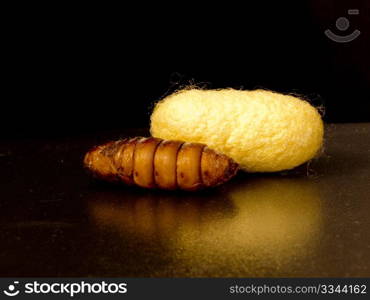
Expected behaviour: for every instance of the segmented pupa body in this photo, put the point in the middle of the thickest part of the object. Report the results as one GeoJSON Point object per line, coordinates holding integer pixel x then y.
{"type": "Point", "coordinates": [156, 163]}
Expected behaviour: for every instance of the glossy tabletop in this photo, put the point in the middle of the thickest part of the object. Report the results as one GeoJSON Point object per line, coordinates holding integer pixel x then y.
{"type": "Point", "coordinates": [310, 221]}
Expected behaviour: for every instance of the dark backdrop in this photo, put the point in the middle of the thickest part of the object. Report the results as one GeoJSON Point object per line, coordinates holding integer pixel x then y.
{"type": "Point", "coordinates": [74, 70]}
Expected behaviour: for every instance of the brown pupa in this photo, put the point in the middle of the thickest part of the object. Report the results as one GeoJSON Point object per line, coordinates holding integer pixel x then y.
{"type": "Point", "coordinates": [156, 163]}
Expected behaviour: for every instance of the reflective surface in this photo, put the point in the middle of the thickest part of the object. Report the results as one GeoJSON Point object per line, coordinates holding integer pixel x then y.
{"type": "Point", "coordinates": [311, 221]}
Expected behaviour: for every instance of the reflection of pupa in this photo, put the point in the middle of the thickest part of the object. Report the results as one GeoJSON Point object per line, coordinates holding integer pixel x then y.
{"type": "Point", "coordinates": [261, 130]}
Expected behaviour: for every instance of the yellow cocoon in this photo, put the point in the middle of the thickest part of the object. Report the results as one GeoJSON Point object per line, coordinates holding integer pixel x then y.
{"type": "Point", "coordinates": [261, 130]}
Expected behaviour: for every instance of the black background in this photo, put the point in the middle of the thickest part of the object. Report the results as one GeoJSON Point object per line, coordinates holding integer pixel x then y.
{"type": "Point", "coordinates": [70, 70]}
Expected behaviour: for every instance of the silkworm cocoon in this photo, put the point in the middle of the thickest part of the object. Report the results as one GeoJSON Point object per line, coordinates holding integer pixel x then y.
{"type": "Point", "coordinates": [261, 130]}
{"type": "Point", "coordinates": [156, 163]}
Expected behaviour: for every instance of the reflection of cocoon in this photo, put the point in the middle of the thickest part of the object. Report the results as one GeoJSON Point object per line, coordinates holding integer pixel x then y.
{"type": "Point", "coordinates": [278, 212]}
{"type": "Point", "coordinates": [277, 222]}
{"type": "Point", "coordinates": [261, 130]}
